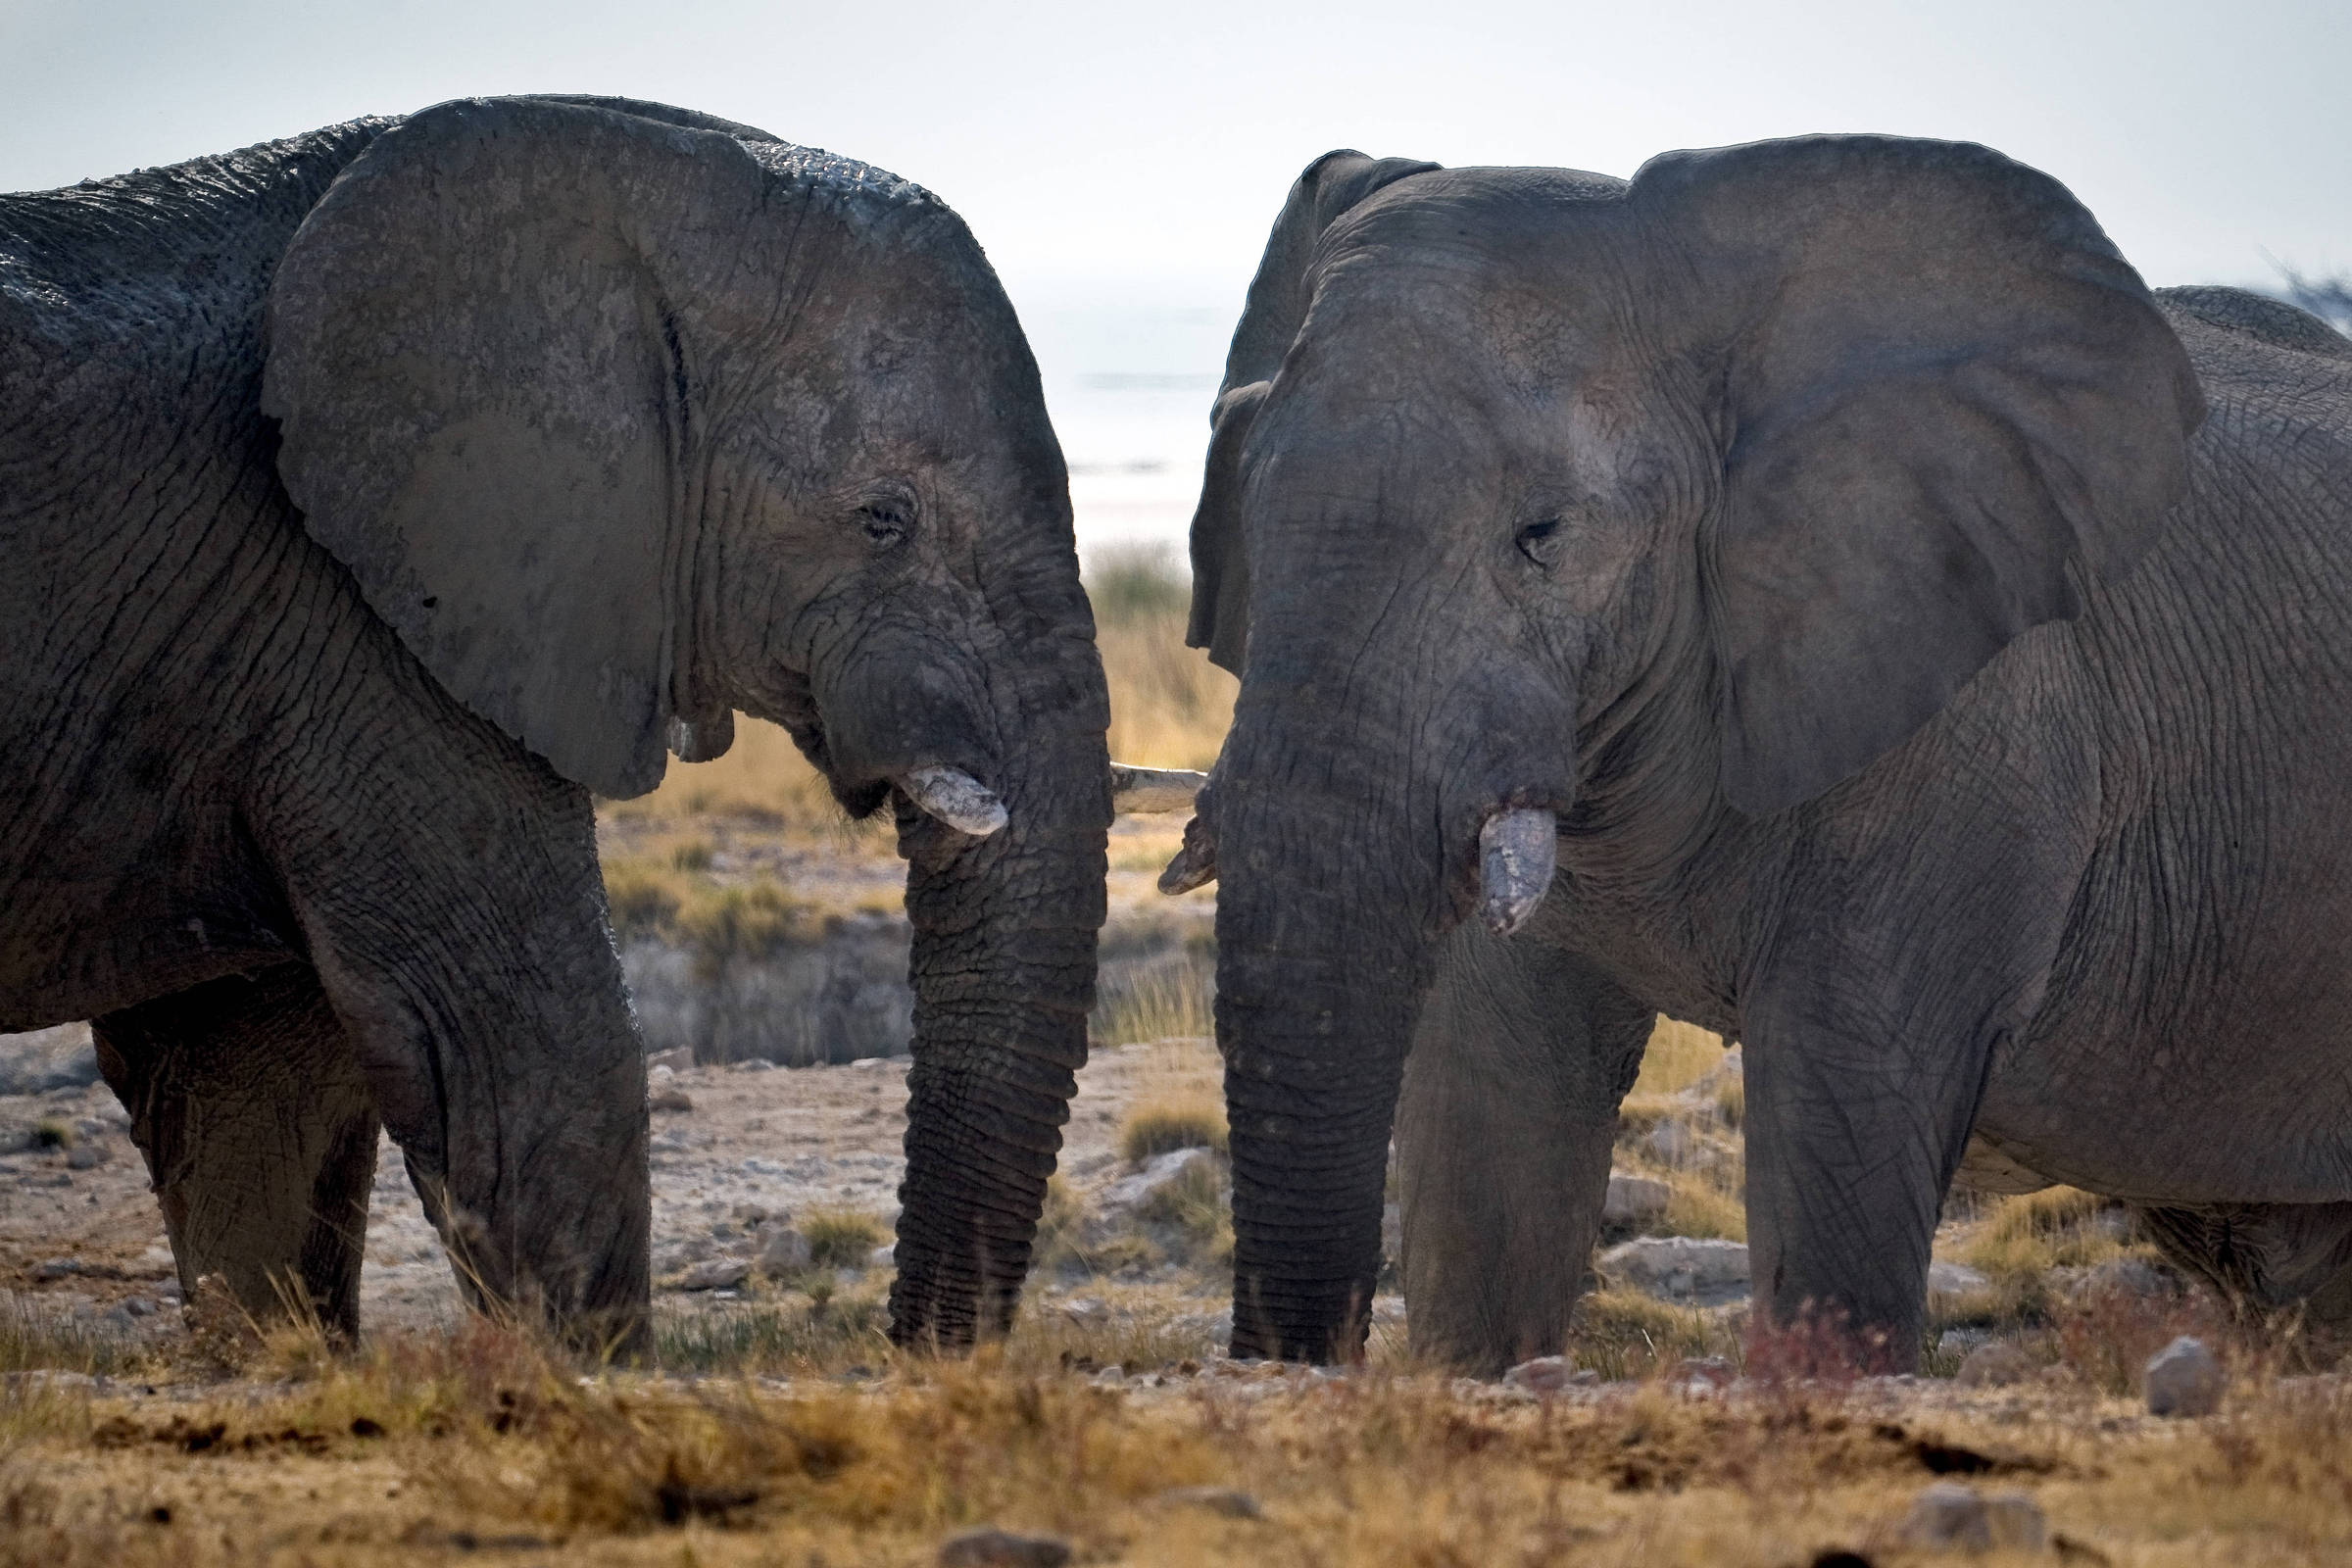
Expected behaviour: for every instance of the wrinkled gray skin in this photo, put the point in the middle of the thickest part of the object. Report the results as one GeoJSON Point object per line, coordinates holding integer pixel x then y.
{"type": "Point", "coordinates": [1934, 648]}
{"type": "Point", "coordinates": [367, 499]}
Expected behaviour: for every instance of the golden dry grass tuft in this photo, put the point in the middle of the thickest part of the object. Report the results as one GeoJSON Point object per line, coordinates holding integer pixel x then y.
{"type": "Point", "coordinates": [1164, 1125]}
{"type": "Point", "coordinates": [1169, 706]}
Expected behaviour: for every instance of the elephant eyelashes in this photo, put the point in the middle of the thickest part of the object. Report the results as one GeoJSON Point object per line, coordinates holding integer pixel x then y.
{"type": "Point", "coordinates": [1535, 542]}
{"type": "Point", "coordinates": [886, 523]}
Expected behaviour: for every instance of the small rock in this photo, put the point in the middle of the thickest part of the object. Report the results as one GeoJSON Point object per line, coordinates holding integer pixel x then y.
{"type": "Point", "coordinates": [1546, 1374]}
{"type": "Point", "coordinates": [1673, 1143]}
{"type": "Point", "coordinates": [783, 1250]}
{"type": "Point", "coordinates": [56, 1268]}
{"type": "Point", "coordinates": [1951, 1516]}
{"type": "Point", "coordinates": [1086, 1311]}
{"type": "Point", "coordinates": [716, 1274]}
{"type": "Point", "coordinates": [1954, 1279]}
{"type": "Point", "coordinates": [884, 1256]}
{"type": "Point", "coordinates": [86, 1157]}
{"type": "Point", "coordinates": [1159, 1174]}
{"type": "Point", "coordinates": [1710, 1271]}
{"type": "Point", "coordinates": [1994, 1367]}
{"type": "Point", "coordinates": [1711, 1370]}
{"type": "Point", "coordinates": [1001, 1548]}
{"type": "Point", "coordinates": [755, 1065]}
{"type": "Point", "coordinates": [2185, 1379]}
{"type": "Point", "coordinates": [672, 1099]}
{"type": "Point", "coordinates": [1216, 1499]}
{"type": "Point", "coordinates": [675, 1060]}
{"type": "Point", "coordinates": [2135, 1277]}
{"type": "Point", "coordinates": [1635, 1199]}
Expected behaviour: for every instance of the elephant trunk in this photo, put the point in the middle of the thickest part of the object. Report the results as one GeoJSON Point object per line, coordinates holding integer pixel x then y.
{"type": "Point", "coordinates": [1349, 840]}
{"type": "Point", "coordinates": [1004, 974]}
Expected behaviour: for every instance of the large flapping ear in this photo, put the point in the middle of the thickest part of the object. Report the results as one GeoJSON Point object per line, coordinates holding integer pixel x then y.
{"type": "Point", "coordinates": [1945, 390]}
{"type": "Point", "coordinates": [1270, 319]}
{"type": "Point", "coordinates": [475, 356]}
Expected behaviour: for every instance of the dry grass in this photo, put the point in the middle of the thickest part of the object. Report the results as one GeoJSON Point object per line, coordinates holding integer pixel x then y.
{"type": "Point", "coordinates": [481, 1446]}
{"type": "Point", "coordinates": [1161, 1126]}
{"type": "Point", "coordinates": [1169, 706]}
{"type": "Point", "coordinates": [1678, 1056]}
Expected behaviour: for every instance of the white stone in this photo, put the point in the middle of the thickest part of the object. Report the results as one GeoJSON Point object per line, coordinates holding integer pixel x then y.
{"type": "Point", "coordinates": [1635, 1199]}
{"type": "Point", "coordinates": [1160, 1173]}
{"type": "Point", "coordinates": [1951, 1516]}
{"type": "Point", "coordinates": [884, 1256]}
{"type": "Point", "coordinates": [1954, 1279]}
{"type": "Point", "coordinates": [783, 1250]}
{"type": "Point", "coordinates": [2185, 1379]}
{"type": "Point", "coordinates": [1546, 1374]}
{"type": "Point", "coordinates": [1683, 1267]}
{"type": "Point", "coordinates": [717, 1274]}
{"type": "Point", "coordinates": [1994, 1366]}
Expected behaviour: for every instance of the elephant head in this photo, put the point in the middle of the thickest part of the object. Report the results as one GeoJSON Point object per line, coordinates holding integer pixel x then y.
{"type": "Point", "coordinates": [626, 419]}
{"type": "Point", "coordinates": [1556, 519]}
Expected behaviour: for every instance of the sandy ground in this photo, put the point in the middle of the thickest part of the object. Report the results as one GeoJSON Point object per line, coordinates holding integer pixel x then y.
{"type": "Point", "coordinates": [755, 1144]}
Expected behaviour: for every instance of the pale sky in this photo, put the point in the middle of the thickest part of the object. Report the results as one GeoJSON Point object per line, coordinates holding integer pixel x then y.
{"type": "Point", "coordinates": [1108, 142]}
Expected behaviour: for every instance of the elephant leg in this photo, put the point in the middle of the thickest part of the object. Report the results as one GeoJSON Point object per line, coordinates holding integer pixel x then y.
{"type": "Point", "coordinates": [2265, 1257]}
{"type": "Point", "coordinates": [1505, 1123]}
{"type": "Point", "coordinates": [259, 1133]}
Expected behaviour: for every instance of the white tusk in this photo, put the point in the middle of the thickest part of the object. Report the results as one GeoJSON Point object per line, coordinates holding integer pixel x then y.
{"type": "Point", "coordinates": [1193, 865]}
{"type": "Point", "coordinates": [956, 798]}
{"type": "Point", "coordinates": [1153, 789]}
{"type": "Point", "coordinates": [1517, 853]}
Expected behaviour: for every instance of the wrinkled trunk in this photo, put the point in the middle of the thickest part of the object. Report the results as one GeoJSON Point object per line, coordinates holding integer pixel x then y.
{"type": "Point", "coordinates": [1348, 805]}
{"type": "Point", "coordinates": [1004, 974]}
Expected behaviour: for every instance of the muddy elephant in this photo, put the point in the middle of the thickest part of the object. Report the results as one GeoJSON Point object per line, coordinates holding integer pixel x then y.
{"type": "Point", "coordinates": [1813, 590]}
{"type": "Point", "coordinates": [368, 500]}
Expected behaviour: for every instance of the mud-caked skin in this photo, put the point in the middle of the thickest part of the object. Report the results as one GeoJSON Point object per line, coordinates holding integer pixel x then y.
{"type": "Point", "coordinates": [369, 498]}
{"type": "Point", "coordinates": [1933, 649]}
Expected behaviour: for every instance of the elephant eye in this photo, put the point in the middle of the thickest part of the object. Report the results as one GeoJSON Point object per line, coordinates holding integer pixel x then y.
{"type": "Point", "coordinates": [886, 522]}
{"type": "Point", "coordinates": [1534, 540]}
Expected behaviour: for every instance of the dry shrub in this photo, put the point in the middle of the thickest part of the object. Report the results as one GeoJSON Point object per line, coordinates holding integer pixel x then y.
{"type": "Point", "coordinates": [2033, 1233]}
{"type": "Point", "coordinates": [1623, 1333]}
{"type": "Point", "coordinates": [2107, 1333]}
{"type": "Point", "coordinates": [825, 1332]}
{"type": "Point", "coordinates": [1162, 1126]}
{"type": "Point", "coordinates": [1820, 1347]}
{"type": "Point", "coordinates": [841, 1237]}
{"type": "Point", "coordinates": [1696, 1207]}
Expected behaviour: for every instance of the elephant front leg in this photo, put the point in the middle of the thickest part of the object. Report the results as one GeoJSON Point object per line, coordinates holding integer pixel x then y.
{"type": "Point", "coordinates": [1851, 1144]}
{"type": "Point", "coordinates": [259, 1133]}
{"type": "Point", "coordinates": [1504, 1126]}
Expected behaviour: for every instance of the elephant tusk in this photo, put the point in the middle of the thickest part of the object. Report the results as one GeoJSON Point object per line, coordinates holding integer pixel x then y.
{"type": "Point", "coordinates": [955, 798]}
{"type": "Point", "coordinates": [1517, 853]}
{"type": "Point", "coordinates": [1195, 865]}
{"type": "Point", "coordinates": [1153, 789]}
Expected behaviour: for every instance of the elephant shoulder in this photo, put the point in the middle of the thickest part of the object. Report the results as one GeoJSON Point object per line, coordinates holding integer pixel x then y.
{"type": "Point", "coordinates": [2247, 313]}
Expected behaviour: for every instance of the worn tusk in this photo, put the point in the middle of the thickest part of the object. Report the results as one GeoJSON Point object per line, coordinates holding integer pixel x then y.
{"type": "Point", "coordinates": [1153, 789]}
{"type": "Point", "coordinates": [1195, 865]}
{"type": "Point", "coordinates": [1517, 853]}
{"type": "Point", "coordinates": [956, 798]}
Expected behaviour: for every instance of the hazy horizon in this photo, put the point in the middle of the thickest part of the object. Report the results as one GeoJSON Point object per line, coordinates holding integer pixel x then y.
{"type": "Point", "coordinates": [1121, 165]}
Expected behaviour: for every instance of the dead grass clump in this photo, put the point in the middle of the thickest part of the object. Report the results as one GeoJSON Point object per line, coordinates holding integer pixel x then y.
{"type": "Point", "coordinates": [1698, 1208]}
{"type": "Point", "coordinates": [1623, 1333]}
{"type": "Point", "coordinates": [2024, 1238]}
{"type": "Point", "coordinates": [1165, 1000]}
{"type": "Point", "coordinates": [841, 1237]}
{"type": "Point", "coordinates": [797, 1336]}
{"type": "Point", "coordinates": [764, 779]}
{"type": "Point", "coordinates": [1161, 1126]}
{"type": "Point", "coordinates": [1197, 1207]}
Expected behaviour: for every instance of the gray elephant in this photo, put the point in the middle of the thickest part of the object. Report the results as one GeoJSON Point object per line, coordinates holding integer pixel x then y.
{"type": "Point", "coordinates": [368, 499]}
{"type": "Point", "coordinates": [1813, 590]}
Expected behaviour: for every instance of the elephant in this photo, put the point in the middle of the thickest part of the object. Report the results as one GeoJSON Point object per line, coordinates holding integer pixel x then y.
{"type": "Point", "coordinates": [1815, 590]}
{"type": "Point", "coordinates": [371, 497]}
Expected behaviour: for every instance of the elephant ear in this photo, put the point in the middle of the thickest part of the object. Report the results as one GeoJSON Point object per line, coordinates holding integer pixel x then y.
{"type": "Point", "coordinates": [476, 360]}
{"type": "Point", "coordinates": [1271, 316]}
{"type": "Point", "coordinates": [1945, 392]}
